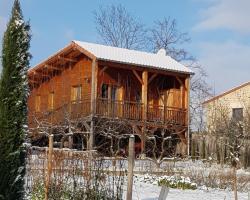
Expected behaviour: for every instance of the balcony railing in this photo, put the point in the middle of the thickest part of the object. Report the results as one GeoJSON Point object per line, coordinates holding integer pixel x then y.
{"type": "Point", "coordinates": [117, 109]}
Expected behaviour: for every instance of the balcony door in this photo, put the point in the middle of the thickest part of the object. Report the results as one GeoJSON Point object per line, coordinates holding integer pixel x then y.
{"type": "Point", "coordinates": [109, 92]}
{"type": "Point", "coordinates": [109, 103]}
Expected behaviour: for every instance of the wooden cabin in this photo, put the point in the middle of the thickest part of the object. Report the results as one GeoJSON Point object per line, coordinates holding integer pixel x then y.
{"type": "Point", "coordinates": [149, 92]}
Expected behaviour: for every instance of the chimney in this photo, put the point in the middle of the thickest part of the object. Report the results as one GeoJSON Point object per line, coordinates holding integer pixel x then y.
{"type": "Point", "coordinates": [161, 52]}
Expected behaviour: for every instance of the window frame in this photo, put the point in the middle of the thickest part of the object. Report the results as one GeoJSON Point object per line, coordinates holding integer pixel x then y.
{"type": "Point", "coordinates": [76, 93]}
{"type": "Point", "coordinates": [237, 116]}
{"type": "Point", "coordinates": [38, 103]}
{"type": "Point", "coordinates": [51, 101]}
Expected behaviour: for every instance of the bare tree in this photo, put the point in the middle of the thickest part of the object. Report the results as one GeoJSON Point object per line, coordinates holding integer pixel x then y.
{"type": "Point", "coordinates": [117, 27]}
{"type": "Point", "coordinates": [199, 92]}
{"type": "Point", "coordinates": [233, 129]}
{"type": "Point", "coordinates": [165, 35]}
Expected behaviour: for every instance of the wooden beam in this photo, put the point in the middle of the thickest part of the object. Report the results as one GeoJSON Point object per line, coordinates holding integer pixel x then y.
{"type": "Point", "coordinates": [145, 93]}
{"type": "Point", "coordinates": [93, 85]}
{"type": "Point", "coordinates": [68, 59]}
{"type": "Point", "coordinates": [53, 67]}
{"type": "Point", "coordinates": [33, 73]}
{"type": "Point", "coordinates": [94, 72]}
{"type": "Point", "coordinates": [159, 94]}
{"type": "Point", "coordinates": [137, 76]}
{"type": "Point", "coordinates": [183, 93]}
{"type": "Point", "coordinates": [140, 68]}
{"type": "Point", "coordinates": [181, 82]}
{"type": "Point", "coordinates": [50, 59]}
{"type": "Point", "coordinates": [45, 75]}
{"type": "Point", "coordinates": [85, 52]}
{"type": "Point", "coordinates": [152, 78]}
{"type": "Point", "coordinates": [187, 97]}
{"type": "Point", "coordinates": [103, 70]}
{"type": "Point", "coordinates": [33, 81]}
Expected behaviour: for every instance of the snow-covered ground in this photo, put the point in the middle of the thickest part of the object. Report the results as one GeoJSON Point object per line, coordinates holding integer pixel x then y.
{"type": "Point", "coordinates": [146, 191]}
{"type": "Point", "coordinates": [146, 188]}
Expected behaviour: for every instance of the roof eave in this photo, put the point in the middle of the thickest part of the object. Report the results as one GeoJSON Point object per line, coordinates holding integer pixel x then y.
{"type": "Point", "coordinates": [147, 66]}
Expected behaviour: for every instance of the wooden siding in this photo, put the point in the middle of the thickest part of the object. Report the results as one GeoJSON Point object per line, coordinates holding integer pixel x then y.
{"type": "Point", "coordinates": [60, 85]}
{"type": "Point", "coordinates": [141, 94]}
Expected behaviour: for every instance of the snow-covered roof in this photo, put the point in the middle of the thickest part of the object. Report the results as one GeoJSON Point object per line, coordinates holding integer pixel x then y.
{"type": "Point", "coordinates": [127, 56]}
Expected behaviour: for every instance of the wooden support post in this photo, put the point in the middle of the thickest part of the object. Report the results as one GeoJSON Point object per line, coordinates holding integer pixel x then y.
{"type": "Point", "coordinates": [183, 96]}
{"type": "Point", "coordinates": [142, 133]}
{"type": "Point", "coordinates": [145, 106]}
{"type": "Point", "coordinates": [187, 94]}
{"type": "Point", "coordinates": [121, 98]}
{"type": "Point", "coordinates": [93, 102]}
{"type": "Point", "coordinates": [94, 71]}
{"type": "Point", "coordinates": [145, 94]}
{"type": "Point", "coordinates": [109, 100]}
{"type": "Point", "coordinates": [143, 140]}
{"type": "Point", "coordinates": [131, 157]}
{"type": "Point", "coordinates": [49, 166]}
{"type": "Point", "coordinates": [187, 107]}
{"type": "Point", "coordinates": [235, 183]}
{"type": "Point", "coordinates": [91, 135]}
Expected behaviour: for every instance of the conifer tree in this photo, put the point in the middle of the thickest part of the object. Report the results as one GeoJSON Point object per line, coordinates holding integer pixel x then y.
{"type": "Point", "coordinates": [13, 105]}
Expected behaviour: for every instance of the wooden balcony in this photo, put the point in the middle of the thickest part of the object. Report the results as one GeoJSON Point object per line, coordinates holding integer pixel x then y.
{"type": "Point", "coordinates": [126, 110]}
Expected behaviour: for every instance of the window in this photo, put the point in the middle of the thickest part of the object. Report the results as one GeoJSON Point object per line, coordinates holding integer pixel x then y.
{"type": "Point", "coordinates": [104, 92]}
{"type": "Point", "coordinates": [76, 93]}
{"type": "Point", "coordinates": [237, 114]}
{"type": "Point", "coordinates": [114, 93]}
{"type": "Point", "coordinates": [51, 101]}
{"type": "Point", "coordinates": [38, 103]}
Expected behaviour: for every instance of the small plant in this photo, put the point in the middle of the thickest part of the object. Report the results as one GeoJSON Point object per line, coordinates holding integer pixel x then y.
{"type": "Point", "coordinates": [169, 181]}
{"type": "Point", "coordinates": [177, 182]}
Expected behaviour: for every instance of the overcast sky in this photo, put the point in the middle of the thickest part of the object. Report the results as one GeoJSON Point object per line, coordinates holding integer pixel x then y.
{"type": "Point", "coordinates": [219, 29]}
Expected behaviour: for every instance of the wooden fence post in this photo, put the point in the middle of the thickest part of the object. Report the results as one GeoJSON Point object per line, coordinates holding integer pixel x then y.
{"type": "Point", "coordinates": [49, 166]}
{"type": "Point", "coordinates": [163, 193]}
{"type": "Point", "coordinates": [70, 141]}
{"type": "Point", "coordinates": [235, 182]}
{"type": "Point", "coordinates": [131, 157]}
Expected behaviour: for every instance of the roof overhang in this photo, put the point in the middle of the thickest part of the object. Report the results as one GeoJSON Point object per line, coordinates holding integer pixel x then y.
{"type": "Point", "coordinates": [225, 93]}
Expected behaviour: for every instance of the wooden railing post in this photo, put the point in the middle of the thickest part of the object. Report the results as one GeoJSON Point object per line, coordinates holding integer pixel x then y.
{"type": "Point", "coordinates": [49, 166]}
{"type": "Point", "coordinates": [131, 157]}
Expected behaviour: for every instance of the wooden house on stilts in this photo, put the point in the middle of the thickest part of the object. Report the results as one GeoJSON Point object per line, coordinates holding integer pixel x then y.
{"type": "Point", "coordinates": [86, 88]}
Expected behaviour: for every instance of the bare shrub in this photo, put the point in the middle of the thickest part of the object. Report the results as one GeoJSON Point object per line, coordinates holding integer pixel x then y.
{"type": "Point", "coordinates": [75, 175]}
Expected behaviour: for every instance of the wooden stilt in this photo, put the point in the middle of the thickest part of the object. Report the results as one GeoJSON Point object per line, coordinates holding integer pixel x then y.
{"type": "Point", "coordinates": [131, 157]}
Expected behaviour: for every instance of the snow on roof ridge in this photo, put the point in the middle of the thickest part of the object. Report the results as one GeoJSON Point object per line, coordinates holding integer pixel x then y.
{"type": "Point", "coordinates": [120, 48]}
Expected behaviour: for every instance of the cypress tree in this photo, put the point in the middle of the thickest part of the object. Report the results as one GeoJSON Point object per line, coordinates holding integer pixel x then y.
{"type": "Point", "coordinates": [13, 105]}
